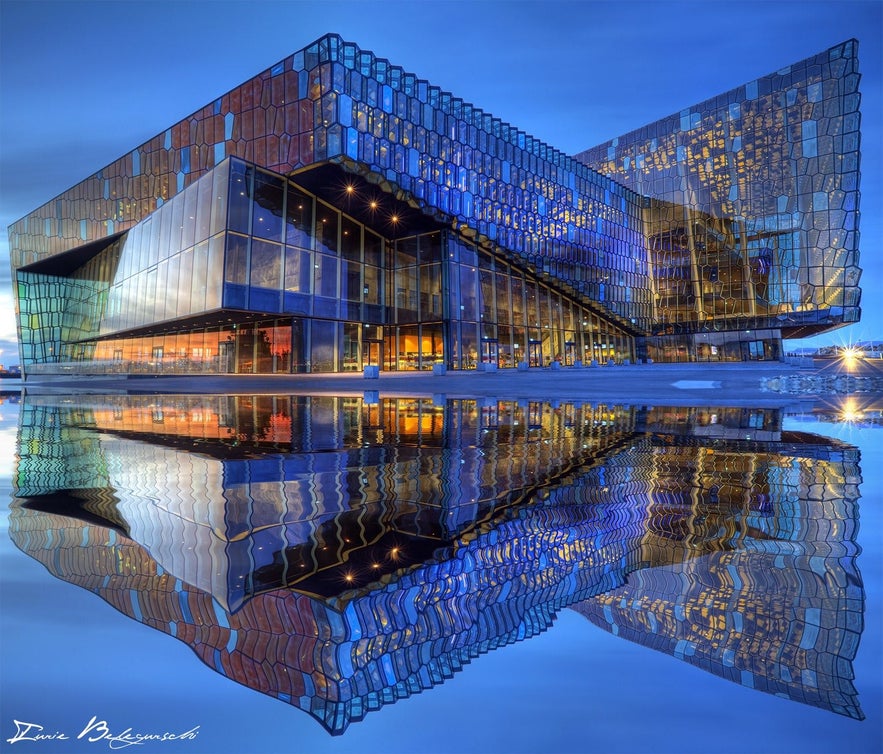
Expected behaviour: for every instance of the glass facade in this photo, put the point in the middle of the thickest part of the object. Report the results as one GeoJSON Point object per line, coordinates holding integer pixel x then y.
{"type": "Point", "coordinates": [752, 212]}
{"type": "Point", "coordinates": [336, 212]}
{"type": "Point", "coordinates": [289, 283]}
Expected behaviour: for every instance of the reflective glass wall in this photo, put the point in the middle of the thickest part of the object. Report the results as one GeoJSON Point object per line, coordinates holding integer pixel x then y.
{"type": "Point", "coordinates": [335, 103]}
{"type": "Point", "coordinates": [737, 214]}
{"type": "Point", "coordinates": [170, 264]}
{"type": "Point", "coordinates": [753, 215]}
{"type": "Point", "coordinates": [247, 272]}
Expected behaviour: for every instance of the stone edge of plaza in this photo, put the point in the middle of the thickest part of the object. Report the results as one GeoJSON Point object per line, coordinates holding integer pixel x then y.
{"type": "Point", "coordinates": [336, 213]}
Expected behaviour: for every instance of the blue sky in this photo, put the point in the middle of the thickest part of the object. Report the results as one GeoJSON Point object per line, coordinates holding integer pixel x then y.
{"type": "Point", "coordinates": [81, 83]}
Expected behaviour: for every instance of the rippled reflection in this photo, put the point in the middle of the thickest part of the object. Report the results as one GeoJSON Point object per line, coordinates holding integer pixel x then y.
{"type": "Point", "coordinates": [342, 553]}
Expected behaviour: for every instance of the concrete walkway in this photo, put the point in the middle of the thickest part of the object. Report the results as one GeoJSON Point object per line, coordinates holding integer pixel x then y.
{"type": "Point", "coordinates": [739, 384]}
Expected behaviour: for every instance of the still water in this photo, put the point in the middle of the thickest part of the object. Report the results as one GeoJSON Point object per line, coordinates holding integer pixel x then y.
{"type": "Point", "coordinates": [366, 574]}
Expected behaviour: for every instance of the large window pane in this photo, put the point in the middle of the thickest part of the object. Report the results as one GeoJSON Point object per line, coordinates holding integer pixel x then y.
{"type": "Point", "coordinates": [504, 307]}
{"type": "Point", "coordinates": [430, 292]}
{"type": "Point", "coordinates": [430, 248]}
{"type": "Point", "coordinates": [240, 197]}
{"type": "Point", "coordinates": [169, 291]}
{"type": "Point", "coordinates": [220, 182]}
{"type": "Point", "coordinates": [188, 231]}
{"type": "Point", "coordinates": [533, 307]}
{"type": "Point", "coordinates": [350, 240]}
{"type": "Point", "coordinates": [352, 277]}
{"type": "Point", "coordinates": [322, 346]}
{"type": "Point", "coordinates": [236, 267]}
{"type": "Point", "coordinates": [486, 278]}
{"type": "Point", "coordinates": [204, 207]}
{"type": "Point", "coordinates": [157, 283]}
{"type": "Point", "coordinates": [164, 218]}
{"type": "Point", "coordinates": [406, 294]}
{"type": "Point", "coordinates": [545, 316]}
{"type": "Point", "coordinates": [406, 252]}
{"type": "Point", "coordinates": [327, 222]}
{"type": "Point", "coordinates": [177, 226]}
{"type": "Point", "coordinates": [213, 278]}
{"type": "Point", "coordinates": [298, 270]}
{"type": "Point", "coordinates": [184, 283]}
{"type": "Point", "coordinates": [373, 248]}
{"type": "Point", "coordinates": [266, 221]}
{"type": "Point", "coordinates": [298, 218]}
{"type": "Point", "coordinates": [371, 285]}
{"type": "Point", "coordinates": [273, 349]}
{"type": "Point", "coordinates": [199, 277]}
{"type": "Point", "coordinates": [266, 264]}
{"type": "Point", "coordinates": [468, 293]}
{"type": "Point", "coordinates": [325, 270]}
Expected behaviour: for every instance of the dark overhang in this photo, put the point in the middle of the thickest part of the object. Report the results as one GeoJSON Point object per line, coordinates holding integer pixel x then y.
{"type": "Point", "coordinates": [67, 262]}
{"type": "Point", "coordinates": [369, 199]}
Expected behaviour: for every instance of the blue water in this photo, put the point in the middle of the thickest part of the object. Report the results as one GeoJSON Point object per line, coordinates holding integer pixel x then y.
{"type": "Point", "coordinates": [557, 679]}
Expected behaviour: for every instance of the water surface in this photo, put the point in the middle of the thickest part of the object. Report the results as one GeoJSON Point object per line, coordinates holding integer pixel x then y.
{"type": "Point", "coordinates": [296, 573]}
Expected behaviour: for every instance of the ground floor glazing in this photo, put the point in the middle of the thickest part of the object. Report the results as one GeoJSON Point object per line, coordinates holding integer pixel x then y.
{"type": "Point", "coordinates": [298, 345]}
{"type": "Point", "coordinates": [740, 345]}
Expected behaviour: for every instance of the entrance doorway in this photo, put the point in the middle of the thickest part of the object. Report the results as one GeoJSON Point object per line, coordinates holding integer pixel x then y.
{"type": "Point", "coordinates": [226, 354]}
{"type": "Point", "coordinates": [535, 353]}
{"type": "Point", "coordinates": [490, 351]}
{"type": "Point", "coordinates": [372, 353]}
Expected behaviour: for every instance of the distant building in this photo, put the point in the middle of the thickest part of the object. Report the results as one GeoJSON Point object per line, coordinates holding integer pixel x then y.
{"type": "Point", "coordinates": [870, 349]}
{"type": "Point", "coordinates": [336, 212]}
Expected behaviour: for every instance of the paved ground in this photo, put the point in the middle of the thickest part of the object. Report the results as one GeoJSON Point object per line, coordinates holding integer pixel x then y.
{"type": "Point", "coordinates": [657, 384]}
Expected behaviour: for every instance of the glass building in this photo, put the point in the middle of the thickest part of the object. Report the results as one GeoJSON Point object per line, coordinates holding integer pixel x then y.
{"type": "Point", "coordinates": [751, 211]}
{"type": "Point", "coordinates": [336, 212]}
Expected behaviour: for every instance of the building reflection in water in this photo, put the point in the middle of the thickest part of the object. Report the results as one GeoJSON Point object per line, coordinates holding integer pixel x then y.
{"type": "Point", "coordinates": [342, 553]}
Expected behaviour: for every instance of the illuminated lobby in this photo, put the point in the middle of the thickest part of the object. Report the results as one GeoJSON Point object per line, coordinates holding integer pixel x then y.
{"type": "Point", "coordinates": [336, 212]}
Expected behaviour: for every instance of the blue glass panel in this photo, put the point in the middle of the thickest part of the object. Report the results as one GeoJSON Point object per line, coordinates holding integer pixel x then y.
{"type": "Point", "coordinates": [325, 307]}
{"type": "Point", "coordinates": [345, 110]}
{"type": "Point", "coordinates": [334, 141]}
{"type": "Point", "coordinates": [235, 296]}
{"type": "Point", "coordinates": [352, 143]}
{"type": "Point", "coordinates": [240, 197]}
{"type": "Point", "coordinates": [809, 134]}
{"type": "Point", "coordinates": [297, 303]}
{"type": "Point", "coordinates": [265, 300]}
